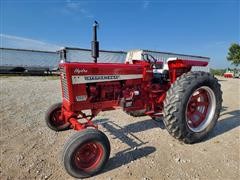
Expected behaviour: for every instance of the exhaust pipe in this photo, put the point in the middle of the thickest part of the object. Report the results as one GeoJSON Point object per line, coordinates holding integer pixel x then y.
{"type": "Point", "coordinates": [95, 43]}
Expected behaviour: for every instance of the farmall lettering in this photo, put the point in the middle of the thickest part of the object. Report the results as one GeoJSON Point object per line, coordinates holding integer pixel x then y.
{"type": "Point", "coordinates": [188, 102]}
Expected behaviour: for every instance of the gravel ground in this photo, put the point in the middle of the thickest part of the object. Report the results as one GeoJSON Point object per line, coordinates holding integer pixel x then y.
{"type": "Point", "coordinates": [141, 147]}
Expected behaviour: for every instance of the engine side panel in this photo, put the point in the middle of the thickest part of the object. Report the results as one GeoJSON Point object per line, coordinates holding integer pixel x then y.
{"type": "Point", "coordinates": [99, 86]}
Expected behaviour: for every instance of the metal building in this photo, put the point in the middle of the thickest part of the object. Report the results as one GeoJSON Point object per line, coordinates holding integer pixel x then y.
{"type": "Point", "coordinates": [84, 55]}
{"type": "Point", "coordinates": [27, 60]}
{"type": "Point", "coordinates": [40, 61]}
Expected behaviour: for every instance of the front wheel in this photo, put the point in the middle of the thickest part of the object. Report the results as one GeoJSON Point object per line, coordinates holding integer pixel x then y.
{"type": "Point", "coordinates": [54, 119]}
{"type": "Point", "coordinates": [86, 153]}
{"type": "Point", "coordinates": [192, 106]}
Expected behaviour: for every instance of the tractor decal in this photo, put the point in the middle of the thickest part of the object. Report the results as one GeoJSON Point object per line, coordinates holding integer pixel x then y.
{"type": "Point", "coordinates": [103, 78]}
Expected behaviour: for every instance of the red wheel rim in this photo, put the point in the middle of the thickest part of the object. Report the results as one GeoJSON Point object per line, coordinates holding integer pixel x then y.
{"type": "Point", "coordinates": [88, 156]}
{"type": "Point", "coordinates": [200, 109]}
{"type": "Point", "coordinates": [57, 118]}
{"type": "Point", "coordinates": [197, 108]}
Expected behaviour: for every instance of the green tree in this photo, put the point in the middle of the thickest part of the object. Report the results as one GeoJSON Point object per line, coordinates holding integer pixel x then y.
{"type": "Point", "coordinates": [234, 54]}
{"type": "Point", "coordinates": [218, 72]}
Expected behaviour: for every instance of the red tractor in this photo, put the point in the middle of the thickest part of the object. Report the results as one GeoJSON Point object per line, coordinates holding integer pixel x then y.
{"type": "Point", "coordinates": [190, 103]}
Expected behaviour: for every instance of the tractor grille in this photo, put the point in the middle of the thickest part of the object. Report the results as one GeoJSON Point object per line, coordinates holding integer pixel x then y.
{"type": "Point", "coordinates": [64, 83]}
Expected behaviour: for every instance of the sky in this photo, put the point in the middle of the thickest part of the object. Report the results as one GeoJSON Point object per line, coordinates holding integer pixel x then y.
{"type": "Point", "coordinates": [198, 27]}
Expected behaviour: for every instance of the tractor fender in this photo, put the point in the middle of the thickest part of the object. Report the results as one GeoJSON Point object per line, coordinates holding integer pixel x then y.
{"type": "Point", "coordinates": [178, 66]}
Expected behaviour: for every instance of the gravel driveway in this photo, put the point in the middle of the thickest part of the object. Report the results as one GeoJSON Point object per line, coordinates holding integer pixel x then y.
{"type": "Point", "coordinates": [141, 147]}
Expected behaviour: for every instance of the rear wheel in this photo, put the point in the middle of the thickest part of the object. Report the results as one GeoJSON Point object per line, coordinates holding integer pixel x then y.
{"type": "Point", "coordinates": [200, 109]}
{"type": "Point", "coordinates": [54, 119]}
{"type": "Point", "coordinates": [86, 153]}
{"type": "Point", "coordinates": [192, 106]}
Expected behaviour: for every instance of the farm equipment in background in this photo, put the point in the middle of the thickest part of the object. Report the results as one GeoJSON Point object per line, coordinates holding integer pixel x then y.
{"type": "Point", "coordinates": [235, 73]}
{"type": "Point", "coordinates": [190, 103]}
{"type": "Point", "coordinates": [228, 74]}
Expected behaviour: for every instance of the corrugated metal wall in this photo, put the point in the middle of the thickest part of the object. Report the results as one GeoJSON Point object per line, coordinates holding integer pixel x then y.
{"type": "Point", "coordinates": [34, 60]}
{"type": "Point", "coordinates": [28, 59]}
{"type": "Point", "coordinates": [31, 59]}
{"type": "Point", "coordinates": [164, 56]}
{"type": "Point", "coordinates": [84, 55]}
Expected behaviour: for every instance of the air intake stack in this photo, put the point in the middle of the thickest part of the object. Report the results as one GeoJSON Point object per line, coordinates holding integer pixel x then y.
{"type": "Point", "coordinates": [95, 43]}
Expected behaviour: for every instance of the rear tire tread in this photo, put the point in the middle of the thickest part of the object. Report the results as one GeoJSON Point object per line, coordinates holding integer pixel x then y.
{"type": "Point", "coordinates": [174, 99]}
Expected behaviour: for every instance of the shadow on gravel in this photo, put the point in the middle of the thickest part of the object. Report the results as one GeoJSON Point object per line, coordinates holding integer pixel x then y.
{"type": "Point", "coordinates": [125, 135]}
{"type": "Point", "coordinates": [224, 108]}
{"type": "Point", "coordinates": [226, 124]}
{"type": "Point", "coordinates": [124, 158]}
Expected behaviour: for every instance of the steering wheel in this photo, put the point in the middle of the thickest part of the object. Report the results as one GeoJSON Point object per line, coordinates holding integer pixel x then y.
{"type": "Point", "coordinates": [149, 58]}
